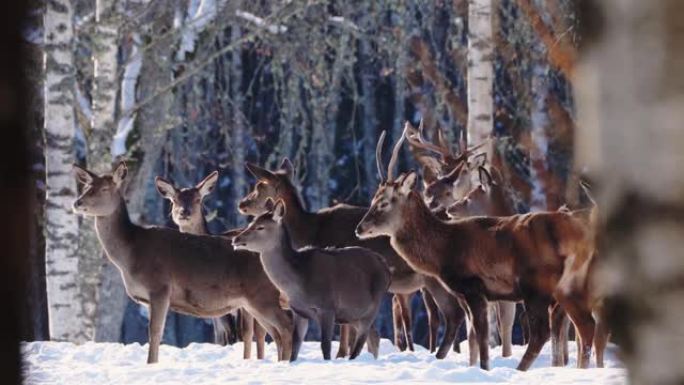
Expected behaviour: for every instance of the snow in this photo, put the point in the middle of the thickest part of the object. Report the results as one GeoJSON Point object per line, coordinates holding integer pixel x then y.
{"type": "Point", "coordinates": [108, 363]}
{"type": "Point", "coordinates": [200, 14]}
{"type": "Point", "coordinates": [260, 22]}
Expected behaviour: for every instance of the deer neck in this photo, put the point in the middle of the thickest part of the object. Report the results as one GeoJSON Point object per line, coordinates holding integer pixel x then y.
{"type": "Point", "coordinates": [300, 223]}
{"type": "Point", "coordinates": [197, 226]}
{"type": "Point", "coordinates": [116, 232]}
{"type": "Point", "coordinates": [418, 238]}
{"type": "Point", "coordinates": [280, 262]}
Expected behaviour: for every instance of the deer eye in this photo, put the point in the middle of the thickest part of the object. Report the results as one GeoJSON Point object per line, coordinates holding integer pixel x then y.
{"type": "Point", "coordinates": [259, 228]}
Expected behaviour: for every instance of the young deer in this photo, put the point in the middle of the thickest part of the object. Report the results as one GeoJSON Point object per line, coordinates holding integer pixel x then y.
{"type": "Point", "coordinates": [335, 227]}
{"type": "Point", "coordinates": [165, 269]}
{"type": "Point", "coordinates": [329, 285]}
{"type": "Point", "coordinates": [521, 257]}
{"type": "Point", "coordinates": [186, 212]}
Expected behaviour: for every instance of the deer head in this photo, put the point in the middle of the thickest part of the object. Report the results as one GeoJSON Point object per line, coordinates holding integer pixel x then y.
{"type": "Point", "coordinates": [260, 234]}
{"type": "Point", "coordinates": [385, 214]}
{"type": "Point", "coordinates": [186, 203]}
{"type": "Point", "coordinates": [270, 185]}
{"type": "Point", "coordinates": [101, 193]}
{"type": "Point", "coordinates": [488, 198]}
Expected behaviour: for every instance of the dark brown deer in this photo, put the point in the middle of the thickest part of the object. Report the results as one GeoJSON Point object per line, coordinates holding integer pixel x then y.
{"type": "Point", "coordinates": [343, 285]}
{"type": "Point", "coordinates": [441, 192]}
{"type": "Point", "coordinates": [335, 227]}
{"type": "Point", "coordinates": [187, 213]}
{"type": "Point", "coordinates": [165, 269]}
{"type": "Point", "coordinates": [521, 257]}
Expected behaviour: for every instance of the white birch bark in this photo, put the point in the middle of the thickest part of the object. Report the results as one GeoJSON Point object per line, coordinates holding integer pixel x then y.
{"type": "Point", "coordinates": [238, 135]}
{"type": "Point", "coordinates": [66, 313]}
{"type": "Point", "coordinates": [480, 71]}
{"type": "Point", "coordinates": [630, 93]}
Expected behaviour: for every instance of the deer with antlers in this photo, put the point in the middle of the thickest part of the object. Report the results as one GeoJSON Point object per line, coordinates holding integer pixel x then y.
{"type": "Point", "coordinates": [335, 227]}
{"type": "Point", "coordinates": [165, 269]}
{"type": "Point", "coordinates": [442, 192]}
{"type": "Point", "coordinates": [186, 212]}
{"type": "Point", "coordinates": [520, 257]}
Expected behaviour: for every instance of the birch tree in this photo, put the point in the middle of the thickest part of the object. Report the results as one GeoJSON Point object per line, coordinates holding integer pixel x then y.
{"type": "Point", "coordinates": [99, 288]}
{"type": "Point", "coordinates": [480, 71]}
{"type": "Point", "coordinates": [630, 93]}
{"type": "Point", "coordinates": [67, 321]}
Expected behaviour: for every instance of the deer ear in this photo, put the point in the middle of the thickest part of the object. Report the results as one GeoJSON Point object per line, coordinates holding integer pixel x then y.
{"type": "Point", "coordinates": [429, 175]}
{"type": "Point", "coordinates": [279, 210]}
{"type": "Point", "coordinates": [408, 182]}
{"type": "Point", "coordinates": [259, 172]}
{"type": "Point", "coordinates": [165, 188]}
{"type": "Point", "coordinates": [207, 185]}
{"type": "Point", "coordinates": [288, 168]}
{"type": "Point", "coordinates": [269, 204]}
{"type": "Point", "coordinates": [83, 176]}
{"type": "Point", "coordinates": [120, 173]}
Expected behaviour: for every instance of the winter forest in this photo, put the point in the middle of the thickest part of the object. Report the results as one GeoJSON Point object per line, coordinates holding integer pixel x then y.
{"type": "Point", "coordinates": [509, 170]}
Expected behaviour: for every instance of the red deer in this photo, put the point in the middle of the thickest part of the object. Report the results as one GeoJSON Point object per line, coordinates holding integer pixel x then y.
{"type": "Point", "coordinates": [441, 192]}
{"type": "Point", "coordinates": [521, 257]}
{"type": "Point", "coordinates": [165, 269]}
{"type": "Point", "coordinates": [343, 285]}
{"type": "Point", "coordinates": [186, 212]}
{"type": "Point", "coordinates": [335, 227]}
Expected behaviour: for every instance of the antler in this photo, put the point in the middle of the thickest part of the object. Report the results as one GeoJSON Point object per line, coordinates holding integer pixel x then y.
{"type": "Point", "coordinates": [418, 140]}
{"type": "Point", "coordinates": [395, 153]}
{"type": "Point", "coordinates": [378, 156]}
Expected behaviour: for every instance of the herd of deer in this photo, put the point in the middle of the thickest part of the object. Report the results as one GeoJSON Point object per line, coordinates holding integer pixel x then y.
{"type": "Point", "coordinates": [463, 247]}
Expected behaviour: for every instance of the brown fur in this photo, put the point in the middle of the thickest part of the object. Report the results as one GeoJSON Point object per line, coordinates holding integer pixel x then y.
{"type": "Point", "coordinates": [521, 257]}
{"type": "Point", "coordinates": [335, 227]}
{"type": "Point", "coordinates": [165, 269]}
{"type": "Point", "coordinates": [343, 285]}
{"type": "Point", "coordinates": [187, 213]}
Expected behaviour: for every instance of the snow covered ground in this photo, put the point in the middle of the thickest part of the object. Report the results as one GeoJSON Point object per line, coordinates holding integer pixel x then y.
{"type": "Point", "coordinates": [100, 363]}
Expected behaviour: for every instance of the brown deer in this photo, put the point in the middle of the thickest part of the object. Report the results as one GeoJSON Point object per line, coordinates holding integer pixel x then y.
{"type": "Point", "coordinates": [165, 269]}
{"type": "Point", "coordinates": [186, 212]}
{"type": "Point", "coordinates": [441, 192]}
{"type": "Point", "coordinates": [521, 257]}
{"type": "Point", "coordinates": [335, 227]}
{"type": "Point", "coordinates": [343, 285]}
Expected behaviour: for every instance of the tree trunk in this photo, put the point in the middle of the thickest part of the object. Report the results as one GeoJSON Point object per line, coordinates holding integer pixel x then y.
{"type": "Point", "coordinates": [239, 184]}
{"type": "Point", "coordinates": [630, 93]}
{"type": "Point", "coordinates": [105, 289]}
{"type": "Point", "coordinates": [480, 71]}
{"type": "Point", "coordinates": [66, 309]}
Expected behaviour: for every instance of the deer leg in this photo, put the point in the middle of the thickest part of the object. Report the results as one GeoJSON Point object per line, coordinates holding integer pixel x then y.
{"type": "Point", "coordinates": [220, 332]}
{"type": "Point", "coordinates": [301, 325]}
{"type": "Point", "coordinates": [343, 349]}
{"type": "Point", "coordinates": [399, 341]}
{"type": "Point", "coordinates": [277, 322]}
{"type": "Point", "coordinates": [556, 315]}
{"type": "Point", "coordinates": [585, 325]}
{"type": "Point", "coordinates": [538, 317]}
{"type": "Point", "coordinates": [361, 337]}
{"type": "Point", "coordinates": [159, 307]}
{"type": "Point", "coordinates": [453, 314]}
{"type": "Point", "coordinates": [478, 307]}
{"type": "Point", "coordinates": [473, 345]}
{"type": "Point", "coordinates": [506, 310]}
{"type": "Point", "coordinates": [326, 320]}
{"type": "Point", "coordinates": [373, 342]}
{"type": "Point", "coordinates": [407, 322]}
{"type": "Point", "coordinates": [260, 335]}
{"type": "Point", "coordinates": [433, 319]}
{"type": "Point", "coordinates": [601, 336]}
{"type": "Point", "coordinates": [524, 325]}
{"type": "Point", "coordinates": [247, 327]}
